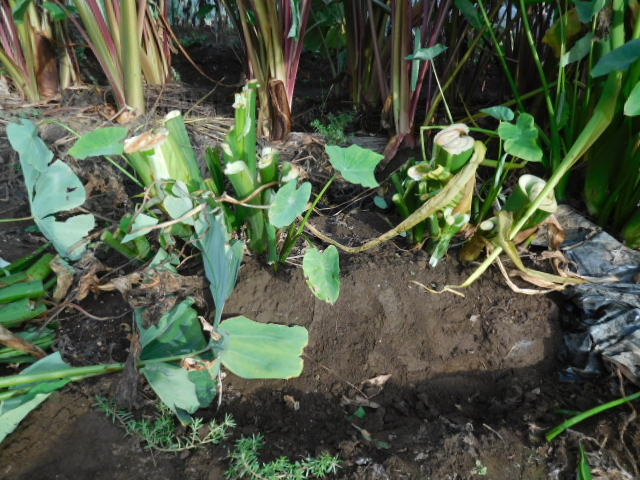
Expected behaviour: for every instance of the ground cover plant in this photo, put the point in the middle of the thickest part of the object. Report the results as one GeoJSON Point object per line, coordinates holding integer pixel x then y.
{"type": "Point", "coordinates": [492, 114]}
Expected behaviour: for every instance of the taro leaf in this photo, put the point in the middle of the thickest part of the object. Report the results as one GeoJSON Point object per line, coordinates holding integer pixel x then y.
{"type": "Point", "coordinates": [178, 332]}
{"type": "Point", "coordinates": [356, 164]}
{"type": "Point", "coordinates": [428, 53]}
{"type": "Point", "coordinates": [504, 114]}
{"type": "Point", "coordinates": [101, 141]}
{"type": "Point", "coordinates": [181, 390]}
{"type": "Point", "coordinates": [13, 410]}
{"type": "Point", "coordinates": [521, 139]}
{"type": "Point", "coordinates": [632, 105]}
{"type": "Point", "coordinates": [141, 221]}
{"type": "Point", "coordinates": [580, 50]}
{"type": "Point", "coordinates": [288, 203]}
{"type": "Point", "coordinates": [221, 257]}
{"type": "Point", "coordinates": [52, 189]}
{"type": "Point", "coordinates": [470, 13]}
{"type": "Point", "coordinates": [619, 59]}
{"type": "Point", "coordinates": [259, 350]}
{"type": "Point", "coordinates": [587, 10]}
{"type": "Point", "coordinates": [322, 271]}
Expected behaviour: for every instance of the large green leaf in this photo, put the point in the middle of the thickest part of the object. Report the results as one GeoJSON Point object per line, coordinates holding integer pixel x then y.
{"type": "Point", "coordinates": [619, 59]}
{"type": "Point", "coordinates": [183, 391]}
{"type": "Point", "coordinates": [355, 164]}
{"type": "Point", "coordinates": [521, 139]}
{"type": "Point", "coordinates": [178, 332]}
{"type": "Point", "coordinates": [288, 203]}
{"type": "Point", "coordinates": [101, 141]}
{"type": "Point", "coordinates": [632, 105]}
{"type": "Point", "coordinates": [14, 410]}
{"type": "Point", "coordinates": [322, 271]}
{"type": "Point", "coordinates": [52, 189]}
{"type": "Point", "coordinates": [221, 256]}
{"type": "Point", "coordinates": [259, 350]}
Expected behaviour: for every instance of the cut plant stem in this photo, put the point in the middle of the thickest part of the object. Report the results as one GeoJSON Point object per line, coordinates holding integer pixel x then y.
{"type": "Point", "coordinates": [22, 290]}
{"type": "Point", "coordinates": [18, 312]}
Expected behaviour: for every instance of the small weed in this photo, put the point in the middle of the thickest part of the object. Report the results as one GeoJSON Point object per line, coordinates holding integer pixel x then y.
{"type": "Point", "coordinates": [245, 464]}
{"type": "Point", "coordinates": [333, 130]}
{"type": "Point", "coordinates": [160, 433]}
{"type": "Point", "coordinates": [479, 469]}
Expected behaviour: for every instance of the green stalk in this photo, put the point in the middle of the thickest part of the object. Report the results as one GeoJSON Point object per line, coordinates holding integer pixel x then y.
{"type": "Point", "coordinates": [242, 182]}
{"type": "Point", "coordinates": [79, 373]}
{"type": "Point", "coordinates": [554, 432]}
{"type": "Point", "coordinates": [22, 290]}
{"type": "Point", "coordinates": [133, 87]}
{"type": "Point", "coordinates": [178, 136]}
{"type": "Point", "coordinates": [501, 56]}
{"type": "Point", "coordinates": [38, 271]}
{"type": "Point", "coordinates": [556, 143]}
{"type": "Point", "coordinates": [601, 117]}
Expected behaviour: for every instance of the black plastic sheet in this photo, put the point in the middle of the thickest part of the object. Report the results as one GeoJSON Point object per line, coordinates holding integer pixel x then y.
{"type": "Point", "coordinates": [602, 319]}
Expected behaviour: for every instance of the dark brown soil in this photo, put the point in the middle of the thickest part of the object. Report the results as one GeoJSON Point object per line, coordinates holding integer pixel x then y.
{"type": "Point", "coordinates": [472, 381]}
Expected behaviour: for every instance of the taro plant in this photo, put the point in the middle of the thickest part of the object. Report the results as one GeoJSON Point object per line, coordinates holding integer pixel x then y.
{"type": "Point", "coordinates": [590, 97]}
{"type": "Point", "coordinates": [34, 48]}
{"type": "Point", "coordinates": [418, 182]}
{"type": "Point", "coordinates": [246, 348]}
{"type": "Point", "coordinates": [131, 43]}
{"type": "Point", "coordinates": [273, 34]}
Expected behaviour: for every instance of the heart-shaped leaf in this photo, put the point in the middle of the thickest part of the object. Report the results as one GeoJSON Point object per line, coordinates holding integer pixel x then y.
{"type": "Point", "coordinates": [288, 203]}
{"type": "Point", "coordinates": [427, 53]}
{"type": "Point", "coordinates": [101, 141]}
{"type": "Point", "coordinates": [504, 114]}
{"type": "Point", "coordinates": [355, 164]}
{"type": "Point", "coordinates": [259, 350]}
{"type": "Point", "coordinates": [521, 139]}
{"type": "Point", "coordinates": [322, 271]}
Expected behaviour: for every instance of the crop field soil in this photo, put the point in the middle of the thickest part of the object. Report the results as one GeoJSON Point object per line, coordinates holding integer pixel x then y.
{"type": "Point", "coordinates": [212, 315]}
{"type": "Point", "coordinates": [451, 386]}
